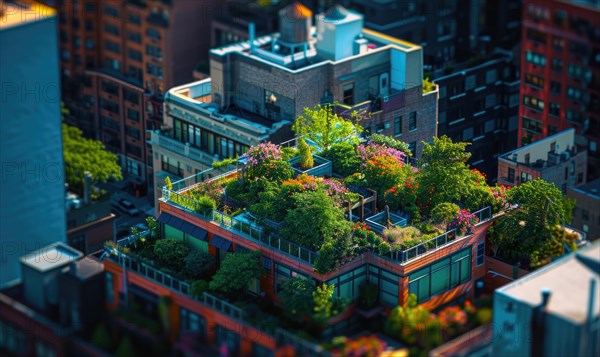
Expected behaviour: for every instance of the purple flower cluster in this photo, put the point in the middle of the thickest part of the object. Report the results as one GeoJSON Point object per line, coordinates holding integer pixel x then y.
{"type": "Point", "coordinates": [334, 188]}
{"type": "Point", "coordinates": [464, 221]}
{"type": "Point", "coordinates": [366, 152]}
{"type": "Point", "coordinates": [262, 153]}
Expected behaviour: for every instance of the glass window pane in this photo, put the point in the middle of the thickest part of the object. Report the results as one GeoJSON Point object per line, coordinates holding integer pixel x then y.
{"type": "Point", "coordinates": [346, 290]}
{"type": "Point", "coordinates": [357, 284]}
{"type": "Point", "coordinates": [171, 232]}
{"type": "Point", "coordinates": [465, 270]}
{"type": "Point", "coordinates": [423, 289]}
{"type": "Point", "coordinates": [454, 274]}
{"type": "Point", "coordinates": [389, 287]}
{"type": "Point", "coordinates": [440, 264]}
{"type": "Point", "coordinates": [420, 273]}
{"type": "Point", "coordinates": [390, 276]}
{"type": "Point", "coordinates": [389, 300]}
{"type": "Point", "coordinates": [440, 280]}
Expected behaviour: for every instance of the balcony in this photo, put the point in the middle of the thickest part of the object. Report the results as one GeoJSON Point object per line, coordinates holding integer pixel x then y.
{"type": "Point", "coordinates": [180, 148]}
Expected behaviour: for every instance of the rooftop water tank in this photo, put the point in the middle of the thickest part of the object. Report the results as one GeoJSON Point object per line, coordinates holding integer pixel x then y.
{"type": "Point", "coordinates": [295, 21]}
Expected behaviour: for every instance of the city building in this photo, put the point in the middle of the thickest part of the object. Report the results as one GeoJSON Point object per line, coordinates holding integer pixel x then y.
{"type": "Point", "coordinates": [52, 309]}
{"type": "Point", "coordinates": [479, 103]}
{"type": "Point", "coordinates": [259, 87]}
{"type": "Point", "coordinates": [32, 193]}
{"type": "Point", "coordinates": [461, 28]}
{"type": "Point", "coordinates": [118, 58]}
{"type": "Point", "coordinates": [90, 222]}
{"type": "Point", "coordinates": [560, 73]}
{"type": "Point", "coordinates": [555, 159]}
{"type": "Point", "coordinates": [586, 216]}
{"type": "Point", "coordinates": [553, 311]}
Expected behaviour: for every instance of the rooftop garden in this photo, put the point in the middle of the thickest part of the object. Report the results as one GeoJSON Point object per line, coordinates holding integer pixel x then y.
{"type": "Point", "coordinates": [337, 193]}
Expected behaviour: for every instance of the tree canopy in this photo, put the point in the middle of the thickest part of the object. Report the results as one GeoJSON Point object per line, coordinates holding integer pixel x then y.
{"type": "Point", "coordinates": [325, 128]}
{"type": "Point", "coordinates": [236, 271]}
{"type": "Point", "coordinates": [81, 155]}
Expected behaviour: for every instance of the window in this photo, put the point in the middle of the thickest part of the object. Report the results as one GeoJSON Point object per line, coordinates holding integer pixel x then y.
{"type": "Point", "coordinates": [191, 322]}
{"type": "Point", "coordinates": [412, 121]}
{"type": "Point", "coordinates": [441, 276]}
{"type": "Point", "coordinates": [282, 274]}
{"type": "Point", "coordinates": [154, 51]}
{"type": "Point", "coordinates": [585, 215]}
{"type": "Point", "coordinates": [511, 175]}
{"type": "Point", "coordinates": [43, 349]}
{"type": "Point", "coordinates": [554, 110]}
{"type": "Point", "coordinates": [533, 102]}
{"type": "Point", "coordinates": [573, 93]}
{"type": "Point", "coordinates": [112, 46]}
{"type": "Point", "coordinates": [132, 132]}
{"type": "Point", "coordinates": [134, 36]}
{"type": "Point", "coordinates": [490, 100]}
{"type": "Point", "coordinates": [490, 76]}
{"type": "Point", "coordinates": [133, 149]}
{"type": "Point", "coordinates": [525, 177]}
{"type": "Point", "coordinates": [580, 177]}
{"type": "Point", "coordinates": [153, 33]}
{"type": "Point", "coordinates": [398, 125]}
{"type": "Point", "coordinates": [574, 71]}
{"type": "Point", "coordinates": [154, 70]}
{"type": "Point", "coordinates": [535, 58]}
{"type": "Point", "coordinates": [89, 43]}
{"type": "Point", "coordinates": [480, 257]}
{"type": "Point", "coordinates": [112, 29]}
{"type": "Point", "coordinates": [134, 19]}
{"type": "Point", "coordinates": [536, 36]}
{"type": "Point", "coordinates": [527, 158]}
{"type": "Point", "coordinates": [131, 96]}
{"type": "Point", "coordinates": [135, 55]}
{"type": "Point", "coordinates": [348, 94]}
{"type": "Point", "coordinates": [558, 43]}
{"type": "Point", "coordinates": [534, 80]}
{"type": "Point", "coordinates": [347, 285]}
{"type": "Point", "coordinates": [133, 114]}
{"type": "Point", "coordinates": [557, 65]}
{"type": "Point", "coordinates": [109, 105]}
{"type": "Point", "coordinates": [388, 285]}
{"type": "Point", "coordinates": [555, 87]}
{"type": "Point", "coordinates": [470, 82]}
{"type": "Point", "coordinates": [467, 134]}
{"type": "Point", "coordinates": [111, 11]}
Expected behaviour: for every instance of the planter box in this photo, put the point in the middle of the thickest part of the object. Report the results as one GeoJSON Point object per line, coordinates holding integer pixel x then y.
{"type": "Point", "coordinates": [378, 221]}
{"type": "Point", "coordinates": [322, 167]}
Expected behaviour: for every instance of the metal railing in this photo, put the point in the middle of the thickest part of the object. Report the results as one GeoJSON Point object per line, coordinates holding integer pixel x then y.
{"type": "Point", "coordinates": [437, 242]}
{"type": "Point", "coordinates": [255, 233]}
{"type": "Point", "coordinates": [302, 347]}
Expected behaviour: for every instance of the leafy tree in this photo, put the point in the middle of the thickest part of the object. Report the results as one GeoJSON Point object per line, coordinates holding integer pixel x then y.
{"type": "Point", "coordinates": [314, 219]}
{"type": "Point", "coordinates": [199, 287]}
{"type": "Point", "coordinates": [205, 205]}
{"type": "Point", "coordinates": [153, 226]}
{"type": "Point", "coordinates": [444, 213]}
{"type": "Point", "coordinates": [323, 303]}
{"type": "Point", "coordinates": [306, 158]}
{"type": "Point", "coordinates": [383, 173]}
{"type": "Point", "coordinates": [171, 252]}
{"type": "Point", "coordinates": [198, 263]}
{"type": "Point", "coordinates": [543, 203]}
{"type": "Point", "coordinates": [236, 271]}
{"type": "Point", "coordinates": [343, 158]}
{"type": "Point", "coordinates": [297, 298]}
{"type": "Point", "coordinates": [325, 128]}
{"type": "Point", "coordinates": [84, 155]}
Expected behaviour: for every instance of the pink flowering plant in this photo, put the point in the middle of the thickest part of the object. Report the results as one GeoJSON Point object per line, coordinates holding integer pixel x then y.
{"type": "Point", "coordinates": [464, 222]}
{"type": "Point", "coordinates": [368, 151]}
{"type": "Point", "coordinates": [265, 160]}
{"type": "Point", "coordinates": [500, 201]}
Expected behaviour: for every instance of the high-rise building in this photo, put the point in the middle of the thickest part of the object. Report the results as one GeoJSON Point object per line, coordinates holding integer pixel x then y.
{"type": "Point", "coordinates": [479, 103]}
{"type": "Point", "coordinates": [32, 192]}
{"type": "Point", "coordinates": [259, 87]}
{"type": "Point", "coordinates": [118, 58]}
{"type": "Point", "coordinates": [560, 73]}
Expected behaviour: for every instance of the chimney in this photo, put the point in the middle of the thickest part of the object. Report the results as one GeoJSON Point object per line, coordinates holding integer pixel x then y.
{"type": "Point", "coordinates": [87, 187]}
{"type": "Point", "coordinates": [546, 293]}
{"type": "Point", "coordinates": [251, 36]}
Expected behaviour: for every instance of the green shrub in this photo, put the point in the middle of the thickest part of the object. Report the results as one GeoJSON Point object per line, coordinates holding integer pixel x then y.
{"type": "Point", "coordinates": [343, 158]}
{"type": "Point", "coordinates": [444, 213]}
{"type": "Point", "coordinates": [289, 153]}
{"type": "Point", "coordinates": [356, 179]}
{"type": "Point", "coordinates": [384, 248]}
{"type": "Point", "coordinates": [391, 143]}
{"type": "Point", "coordinates": [401, 235]}
{"type": "Point", "coordinates": [101, 338]}
{"type": "Point", "coordinates": [484, 316]}
{"type": "Point", "coordinates": [198, 263]}
{"type": "Point", "coordinates": [199, 287]}
{"type": "Point", "coordinates": [306, 158]}
{"type": "Point", "coordinates": [168, 184]}
{"type": "Point", "coordinates": [224, 163]}
{"type": "Point", "coordinates": [126, 348]}
{"type": "Point", "coordinates": [236, 271]}
{"type": "Point", "coordinates": [171, 253]}
{"type": "Point", "coordinates": [205, 205]}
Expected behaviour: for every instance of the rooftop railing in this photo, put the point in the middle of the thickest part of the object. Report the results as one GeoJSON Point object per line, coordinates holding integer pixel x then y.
{"type": "Point", "coordinates": [440, 241]}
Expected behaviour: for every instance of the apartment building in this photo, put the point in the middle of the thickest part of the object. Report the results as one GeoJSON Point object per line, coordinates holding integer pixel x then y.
{"type": "Point", "coordinates": [555, 159]}
{"type": "Point", "coordinates": [560, 73]}
{"type": "Point", "coordinates": [586, 216]}
{"type": "Point", "coordinates": [118, 58]}
{"type": "Point", "coordinates": [32, 198]}
{"type": "Point", "coordinates": [448, 30]}
{"type": "Point", "coordinates": [552, 311]}
{"type": "Point", "coordinates": [479, 103]}
{"type": "Point", "coordinates": [259, 87]}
